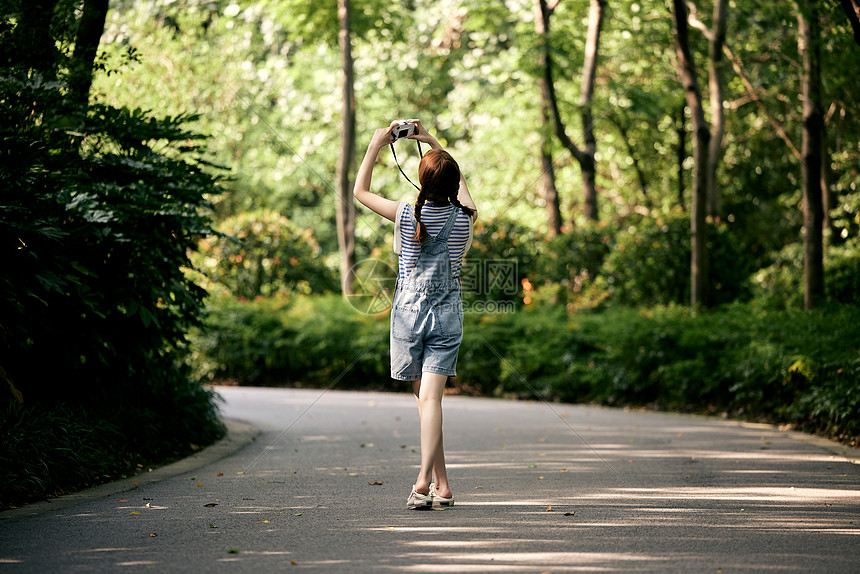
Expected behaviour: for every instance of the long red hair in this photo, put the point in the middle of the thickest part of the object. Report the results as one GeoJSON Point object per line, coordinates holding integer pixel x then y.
{"type": "Point", "coordinates": [439, 176]}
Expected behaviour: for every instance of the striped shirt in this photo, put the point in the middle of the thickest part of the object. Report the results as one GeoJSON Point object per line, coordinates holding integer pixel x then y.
{"type": "Point", "coordinates": [433, 216]}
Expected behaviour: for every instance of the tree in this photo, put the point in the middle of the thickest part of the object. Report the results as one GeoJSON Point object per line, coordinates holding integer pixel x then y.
{"type": "Point", "coordinates": [808, 44]}
{"type": "Point", "coordinates": [547, 187]}
{"type": "Point", "coordinates": [101, 206]}
{"type": "Point", "coordinates": [701, 138]}
{"type": "Point", "coordinates": [852, 10]}
{"type": "Point", "coordinates": [89, 35]}
{"type": "Point", "coordinates": [345, 203]}
{"type": "Point", "coordinates": [549, 100]}
{"type": "Point", "coordinates": [716, 36]}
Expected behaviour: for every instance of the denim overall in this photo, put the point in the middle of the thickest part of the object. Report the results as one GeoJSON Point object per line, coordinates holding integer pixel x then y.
{"type": "Point", "coordinates": [427, 312]}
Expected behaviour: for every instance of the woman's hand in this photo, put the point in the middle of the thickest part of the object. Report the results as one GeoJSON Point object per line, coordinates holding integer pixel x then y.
{"type": "Point", "coordinates": [381, 137]}
{"type": "Point", "coordinates": [424, 136]}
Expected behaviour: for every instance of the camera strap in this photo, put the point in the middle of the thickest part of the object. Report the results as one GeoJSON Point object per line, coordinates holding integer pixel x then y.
{"type": "Point", "coordinates": [400, 168]}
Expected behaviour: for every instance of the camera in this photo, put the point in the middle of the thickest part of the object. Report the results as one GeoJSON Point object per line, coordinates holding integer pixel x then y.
{"type": "Point", "coordinates": [404, 128]}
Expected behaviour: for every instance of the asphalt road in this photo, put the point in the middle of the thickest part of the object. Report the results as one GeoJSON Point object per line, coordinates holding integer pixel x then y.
{"type": "Point", "coordinates": [538, 488]}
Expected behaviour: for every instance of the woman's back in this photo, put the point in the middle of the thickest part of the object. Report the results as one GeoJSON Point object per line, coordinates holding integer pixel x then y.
{"type": "Point", "coordinates": [433, 215]}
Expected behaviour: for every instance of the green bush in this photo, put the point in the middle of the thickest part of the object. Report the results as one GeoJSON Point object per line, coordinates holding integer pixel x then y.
{"type": "Point", "coordinates": [503, 253]}
{"type": "Point", "coordinates": [795, 367]}
{"type": "Point", "coordinates": [300, 341]}
{"type": "Point", "coordinates": [100, 208]}
{"type": "Point", "coordinates": [262, 253]}
{"type": "Point", "coordinates": [51, 450]}
{"type": "Point", "coordinates": [573, 260]}
{"type": "Point", "coordinates": [649, 264]}
{"type": "Point", "coordinates": [780, 285]}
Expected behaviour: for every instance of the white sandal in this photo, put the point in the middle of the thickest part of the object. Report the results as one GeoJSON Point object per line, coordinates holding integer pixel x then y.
{"type": "Point", "coordinates": [418, 501]}
{"type": "Point", "coordinates": [440, 499]}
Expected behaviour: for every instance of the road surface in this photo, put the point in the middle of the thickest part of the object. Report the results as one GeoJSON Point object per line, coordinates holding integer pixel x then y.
{"type": "Point", "coordinates": [538, 487]}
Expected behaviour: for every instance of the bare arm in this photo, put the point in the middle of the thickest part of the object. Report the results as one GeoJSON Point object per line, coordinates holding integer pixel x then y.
{"type": "Point", "coordinates": [387, 208]}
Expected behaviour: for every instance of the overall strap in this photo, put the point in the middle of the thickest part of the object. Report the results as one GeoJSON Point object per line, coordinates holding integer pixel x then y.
{"type": "Point", "coordinates": [449, 225]}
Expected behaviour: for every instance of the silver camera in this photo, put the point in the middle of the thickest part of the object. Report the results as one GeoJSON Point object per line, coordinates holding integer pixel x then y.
{"type": "Point", "coordinates": [404, 128]}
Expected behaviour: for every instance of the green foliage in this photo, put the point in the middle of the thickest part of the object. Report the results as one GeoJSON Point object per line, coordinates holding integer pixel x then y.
{"type": "Point", "coordinates": [503, 253]}
{"type": "Point", "coordinates": [101, 205]}
{"type": "Point", "coordinates": [793, 367]}
{"type": "Point", "coordinates": [574, 259]}
{"type": "Point", "coordinates": [51, 450]}
{"type": "Point", "coordinates": [780, 285]}
{"type": "Point", "coordinates": [313, 341]}
{"type": "Point", "coordinates": [261, 253]}
{"type": "Point", "coordinates": [649, 264]}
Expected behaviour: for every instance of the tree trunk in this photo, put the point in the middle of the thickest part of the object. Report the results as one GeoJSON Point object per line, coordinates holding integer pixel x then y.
{"type": "Point", "coordinates": [345, 212]}
{"type": "Point", "coordinates": [585, 157]}
{"type": "Point", "coordinates": [35, 47]}
{"type": "Point", "coordinates": [716, 90]}
{"type": "Point", "coordinates": [547, 187]}
{"type": "Point", "coordinates": [811, 153]}
{"type": "Point", "coordinates": [852, 10]}
{"type": "Point", "coordinates": [90, 30]}
{"type": "Point", "coordinates": [701, 137]}
{"type": "Point", "coordinates": [681, 155]}
{"type": "Point", "coordinates": [548, 190]}
{"type": "Point", "coordinates": [589, 70]}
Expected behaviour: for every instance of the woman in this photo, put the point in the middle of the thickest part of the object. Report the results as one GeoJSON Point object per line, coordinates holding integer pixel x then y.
{"type": "Point", "coordinates": [430, 239]}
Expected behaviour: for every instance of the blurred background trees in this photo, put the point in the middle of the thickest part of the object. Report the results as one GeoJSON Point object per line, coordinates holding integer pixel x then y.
{"type": "Point", "coordinates": [599, 180]}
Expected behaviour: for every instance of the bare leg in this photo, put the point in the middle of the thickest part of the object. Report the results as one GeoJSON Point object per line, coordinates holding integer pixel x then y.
{"type": "Point", "coordinates": [428, 391]}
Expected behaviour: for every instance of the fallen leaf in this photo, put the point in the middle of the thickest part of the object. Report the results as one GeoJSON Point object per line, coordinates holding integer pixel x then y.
{"type": "Point", "coordinates": [212, 525]}
{"type": "Point", "coordinates": [232, 551]}
{"type": "Point", "coordinates": [298, 513]}
{"type": "Point", "coordinates": [571, 513]}
{"type": "Point", "coordinates": [210, 504]}
{"type": "Point", "coordinates": [564, 470]}
{"type": "Point", "coordinates": [153, 535]}
{"type": "Point", "coordinates": [532, 465]}
{"type": "Point", "coordinates": [199, 484]}
{"type": "Point", "coordinates": [220, 474]}
{"type": "Point", "coordinates": [293, 562]}
{"type": "Point", "coordinates": [134, 513]}
{"type": "Point", "coordinates": [262, 522]}
{"type": "Point", "coordinates": [192, 478]}
{"type": "Point", "coordinates": [540, 478]}
{"type": "Point", "coordinates": [377, 483]}
{"type": "Point", "coordinates": [123, 500]}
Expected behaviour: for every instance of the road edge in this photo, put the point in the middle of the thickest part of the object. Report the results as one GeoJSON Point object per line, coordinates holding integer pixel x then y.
{"type": "Point", "coordinates": [239, 434]}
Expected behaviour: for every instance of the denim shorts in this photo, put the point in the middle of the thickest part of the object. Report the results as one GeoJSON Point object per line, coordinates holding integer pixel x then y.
{"type": "Point", "coordinates": [426, 332]}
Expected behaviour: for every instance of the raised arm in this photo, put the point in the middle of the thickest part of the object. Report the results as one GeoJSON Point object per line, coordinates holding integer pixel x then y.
{"type": "Point", "coordinates": [387, 208]}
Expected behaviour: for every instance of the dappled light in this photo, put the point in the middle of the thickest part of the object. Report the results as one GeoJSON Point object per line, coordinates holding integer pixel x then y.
{"type": "Point", "coordinates": [628, 208]}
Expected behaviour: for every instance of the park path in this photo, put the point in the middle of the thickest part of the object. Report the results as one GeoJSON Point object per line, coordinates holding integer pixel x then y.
{"type": "Point", "coordinates": [539, 488]}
